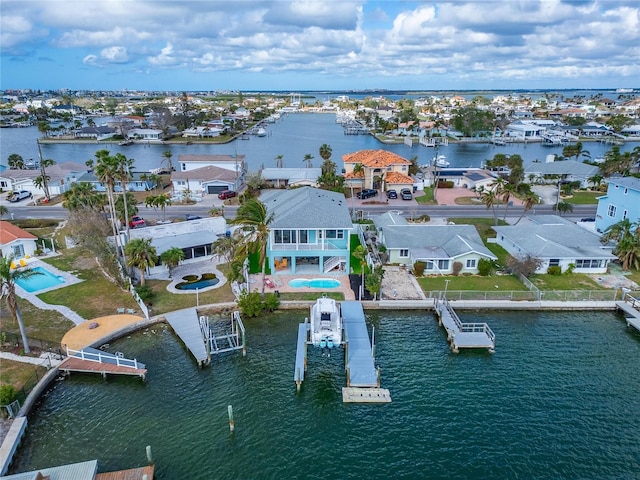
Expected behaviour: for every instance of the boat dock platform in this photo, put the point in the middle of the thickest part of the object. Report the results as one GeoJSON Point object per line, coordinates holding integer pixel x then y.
{"type": "Point", "coordinates": [632, 315]}
{"type": "Point", "coordinates": [463, 335]}
{"type": "Point", "coordinates": [204, 337]}
{"type": "Point", "coordinates": [301, 354]}
{"type": "Point", "coordinates": [91, 360]}
{"type": "Point", "coordinates": [363, 379]}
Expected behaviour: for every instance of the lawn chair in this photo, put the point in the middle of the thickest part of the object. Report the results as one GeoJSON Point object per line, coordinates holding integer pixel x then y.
{"type": "Point", "coordinates": [130, 311]}
{"type": "Point", "coordinates": [120, 310]}
{"type": "Point", "coordinates": [269, 283]}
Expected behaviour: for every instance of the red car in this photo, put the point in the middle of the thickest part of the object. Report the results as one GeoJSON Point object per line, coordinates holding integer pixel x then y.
{"type": "Point", "coordinates": [226, 194]}
{"type": "Point", "coordinates": [137, 222]}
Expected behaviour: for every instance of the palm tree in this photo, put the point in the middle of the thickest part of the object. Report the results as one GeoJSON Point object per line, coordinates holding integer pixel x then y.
{"type": "Point", "coordinates": [507, 191]}
{"type": "Point", "coordinates": [141, 255]}
{"type": "Point", "coordinates": [627, 236]}
{"type": "Point", "coordinates": [124, 174]}
{"type": "Point", "coordinates": [83, 195]}
{"type": "Point", "coordinates": [158, 202]}
{"type": "Point", "coordinates": [530, 199]}
{"type": "Point", "coordinates": [361, 254]}
{"type": "Point", "coordinates": [42, 181]}
{"type": "Point", "coordinates": [279, 162]}
{"type": "Point", "coordinates": [325, 151]}
{"type": "Point", "coordinates": [225, 247]}
{"type": "Point", "coordinates": [307, 158]}
{"type": "Point", "coordinates": [8, 278]}
{"type": "Point", "coordinates": [106, 171]}
{"type": "Point", "coordinates": [167, 155]}
{"type": "Point", "coordinates": [490, 198]}
{"type": "Point", "coordinates": [172, 258]}
{"type": "Point", "coordinates": [564, 207]}
{"type": "Point", "coordinates": [3, 211]}
{"type": "Point", "coordinates": [15, 162]}
{"type": "Point", "coordinates": [596, 180]}
{"type": "Point", "coordinates": [254, 221]}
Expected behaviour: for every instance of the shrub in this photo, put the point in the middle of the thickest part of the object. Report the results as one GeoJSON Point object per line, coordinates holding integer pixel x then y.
{"type": "Point", "coordinates": [250, 304]}
{"type": "Point", "coordinates": [554, 270]}
{"type": "Point", "coordinates": [570, 269]}
{"type": "Point", "coordinates": [485, 267]}
{"type": "Point", "coordinates": [7, 394]}
{"type": "Point", "coordinates": [457, 267]}
{"type": "Point", "coordinates": [145, 293]}
{"type": "Point", "coordinates": [271, 302]}
{"type": "Point", "coordinates": [526, 266]}
{"type": "Point", "coordinates": [418, 268]}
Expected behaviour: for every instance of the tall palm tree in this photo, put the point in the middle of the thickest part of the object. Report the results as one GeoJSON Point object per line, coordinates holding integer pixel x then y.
{"type": "Point", "coordinates": [361, 254]}
{"type": "Point", "coordinates": [172, 258]}
{"type": "Point", "coordinates": [141, 255]}
{"type": "Point", "coordinates": [124, 167]}
{"type": "Point", "coordinates": [307, 158]}
{"type": "Point", "coordinates": [564, 207]}
{"type": "Point", "coordinates": [158, 202]}
{"type": "Point", "coordinates": [167, 155]}
{"type": "Point", "coordinates": [627, 235]}
{"type": "Point", "coordinates": [3, 211]}
{"type": "Point", "coordinates": [8, 278]}
{"type": "Point", "coordinates": [83, 195]}
{"type": "Point", "coordinates": [490, 198]}
{"type": "Point", "coordinates": [530, 199]}
{"type": "Point", "coordinates": [106, 170]}
{"type": "Point", "coordinates": [325, 151]}
{"type": "Point", "coordinates": [15, 161]}
{"type": "Point", "coordinates": [254, 221]}
{"type": "Point", "coordinates": [279, 162]}
{"type": "Point", "coordinates": [507, 191]}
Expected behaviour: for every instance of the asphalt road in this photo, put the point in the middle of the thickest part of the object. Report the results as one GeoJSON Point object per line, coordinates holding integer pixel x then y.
{"type": "Point", "coordinates": [446, 211]}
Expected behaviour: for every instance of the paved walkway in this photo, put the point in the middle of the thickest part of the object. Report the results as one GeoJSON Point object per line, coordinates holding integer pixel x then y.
{"type": "Point", "coordinates": [45, 359]}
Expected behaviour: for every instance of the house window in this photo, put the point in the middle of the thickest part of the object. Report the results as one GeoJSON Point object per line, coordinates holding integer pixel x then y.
{"type": "Point", "coordinates": [184, 166]}
{"type": "Point", "coordinates": [611, 211]}
{"type": "Point", "coordinates": [18, 251]}
{"type": "Point", "coordinates": [181, 183]}
{"type": "Point", "coordinates": [404, 168]}
{"type": "Point", "coordinates": [335, 233]}
{"type": "Point", "coordinates": [554, 262]}
{"type": "Point", "coordinates": [303, 236]}
{"type": "Point", "coordinates": [624, 214]}
{"type": "Point", "coordinates": [471, 263]}
{"type": "Point", "coordinates": [284, 236]}
{"type": "Point", "coordinates": [586, 263]}
{"type": "Point", "coordinates": [404, 252]}
{"type": "Point", "coordinates": [443, 264]}
{"type": "Point", "coordinates": [626, 190]}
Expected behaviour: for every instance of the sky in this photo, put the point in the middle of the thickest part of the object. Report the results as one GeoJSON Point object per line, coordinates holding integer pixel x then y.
{"type": "Point", "coordinates": [206, 45]}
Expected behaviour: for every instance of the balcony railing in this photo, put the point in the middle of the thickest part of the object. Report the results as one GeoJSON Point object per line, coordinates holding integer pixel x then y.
{"type": "Point", "coordinates": [305, 246]}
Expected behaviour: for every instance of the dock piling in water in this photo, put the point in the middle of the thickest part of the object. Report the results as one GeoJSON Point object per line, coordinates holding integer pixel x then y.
{"type": "Point", "coordinates": [232, 425]}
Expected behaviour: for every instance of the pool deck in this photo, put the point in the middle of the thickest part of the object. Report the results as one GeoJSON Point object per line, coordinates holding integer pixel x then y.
{"type": "Point", "coordinates": [281, 284]}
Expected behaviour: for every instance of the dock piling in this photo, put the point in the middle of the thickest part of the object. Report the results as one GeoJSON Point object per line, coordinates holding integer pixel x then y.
{"type": "Point", "coordinates": [149, 457]}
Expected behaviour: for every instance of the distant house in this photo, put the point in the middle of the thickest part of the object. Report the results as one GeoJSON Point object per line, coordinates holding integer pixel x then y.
{"type": "Point", "coordinates": [437, 246]}
{"type": "Point", "coordinates": [292, 177]}
{"type": "Point", "coordinates": [204, 180]}
{"type": "Point", "coordinates": [234, 163]}
{"type": "Point", "coordinates": [310, 231]}
{"type": "Point", "coordinates": [377, 166]}
{"type": "Point", "coordinates": [139, 182]}
{"type": "Point", "coordinates": [631, 131]}
{"type": "Point", "coordinates": [98, 133]}
{"type": "Point", "coordinates": [524, 131]}
{"type": "Point", "coordinates": [621, 201]}
{"type": "Point", "coordinates": [465, 177]}
{"type": "Point", "coordinates": [557, 242]}
{"type": "Point", "coordinates": [16, 241]}
{"type": "Point", "coordinates": [149, 134]}
{"type": "Point", "coordinates": [61, 176]}
{"type": "Point", "coordinates": [563, 171]}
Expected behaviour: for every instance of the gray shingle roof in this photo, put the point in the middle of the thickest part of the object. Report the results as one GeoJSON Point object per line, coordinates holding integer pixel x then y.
{"type": "Point", "coordinates": [555, 241]}
{"type": "Point", "coordinates": [628, 182]}
{"type": "Point", "coordinates": [565, 167]}
{"type": "Point", "coordinates": [308, 207]}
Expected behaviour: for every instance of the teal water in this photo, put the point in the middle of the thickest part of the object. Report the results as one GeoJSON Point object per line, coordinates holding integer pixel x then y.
{"type": "Point", "coordinates": [559, 399]}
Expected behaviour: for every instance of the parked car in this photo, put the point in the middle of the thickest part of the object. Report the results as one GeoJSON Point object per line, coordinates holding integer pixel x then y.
{"type": "Point", "coordinates": [406, 194]}
{"type": "Point", "coordinates": [392, 194]}
{"type": "Point", "coordinates": [367, 193]}
{"type": "Point", "coordinates": [193, 217]}
{"type": "Point", "coordinates": [227, 194]}
{"type": "Point", "coordinates": [20, 195]}
{"type": "Point", "coordinates": [136, 222]}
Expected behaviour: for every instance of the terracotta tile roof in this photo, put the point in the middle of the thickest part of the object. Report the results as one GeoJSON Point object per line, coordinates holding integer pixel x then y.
{"type": "Point", "coordinates": [354, 175]}
{"type": "Point", "coordinates": [9, 233]}
{"type": "Point", "coordinates": [375, 158]}
{"type": "Point", "coordinates": [397, 177]}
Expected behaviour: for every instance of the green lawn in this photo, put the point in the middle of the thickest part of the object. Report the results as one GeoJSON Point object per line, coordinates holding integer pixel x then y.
{"type": "Point", "coordinates": [426, 198]}
{"type": "Point", "coordinates": [471, 282]}
{"type": "Point", "coordinates": [484, 226]}
{"type": "Point", "coordinates": [580, 197]}
{"type": "Point", "coordinates": [573, 281]}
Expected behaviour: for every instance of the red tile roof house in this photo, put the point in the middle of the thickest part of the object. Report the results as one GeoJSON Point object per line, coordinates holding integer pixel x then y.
{"type": "Point", "coordinates": [381, 170]}
{"type": "Point", "coordinates": [17, 242]}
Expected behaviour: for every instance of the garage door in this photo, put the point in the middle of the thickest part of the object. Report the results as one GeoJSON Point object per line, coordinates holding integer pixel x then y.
{"type": "Point", "coordinates": [216, 188]}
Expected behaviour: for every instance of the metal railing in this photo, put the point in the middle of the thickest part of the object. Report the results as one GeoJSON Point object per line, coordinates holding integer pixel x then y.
{"type": "Point", "coordinates": [100, 357]}
{"type": "Point", "coordinates": [306, 246]}
{"type": "Point", "coordinates": [532, 296]}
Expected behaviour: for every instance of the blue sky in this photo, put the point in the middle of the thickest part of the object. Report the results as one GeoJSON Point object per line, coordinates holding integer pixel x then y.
{"type": "Point", "coordinates": [319, 45]}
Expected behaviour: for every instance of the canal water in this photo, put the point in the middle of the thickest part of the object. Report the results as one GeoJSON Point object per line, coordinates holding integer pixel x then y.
{"type": "Point", "coordinates": [293, 137]}
{"type": "Point", "coordinates": [558, 399]}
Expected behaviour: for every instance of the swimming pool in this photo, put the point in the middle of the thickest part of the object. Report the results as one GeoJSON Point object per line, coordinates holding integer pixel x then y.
{"type": "Point", "coordinates": [41, 280]}
{"type": "Point", "coordinates": [204, 281]}
{"type": "Point", "coordinates": [314, 283]}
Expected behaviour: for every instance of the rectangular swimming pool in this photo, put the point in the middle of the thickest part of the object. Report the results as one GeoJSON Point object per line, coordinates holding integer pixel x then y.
{"type": "Point", "coordinates": [41, 280]}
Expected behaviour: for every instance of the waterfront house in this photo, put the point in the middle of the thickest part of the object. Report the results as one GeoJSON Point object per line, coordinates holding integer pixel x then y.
{"type": "Point", "coordinates": [478, 178]}
{"type": "Point", "coordinates": [204, 180]}
{"type": "Point", "coordinates": [310, 231]}
{"type": "Point", "coordinates": [234, 163]}
{"type": "Point", "coordinates": [621, 201]}
{"type": "Point", "coordinates": [560, 171]}
{"type": "Point", "coordinates": [146, 134]}
{"type": "Point", "coordinates": [60, 177]}
{"type": "Point", "coordinates": [439, 247]}
{"type": "Point", "coordinates": [524, 131]}
{"type": "Point", "coordinates": [291, 177]}
{"type": "Point", "coordinates": [376, 165]}
{"type": "Point", "coordinates": [96, 133]}
{"type": "Point", "coordinates": [139, 182]}
{"type": "Point", "coordinates": [16, 241]}
{"type": "Point", "coordinates": [556, 242]}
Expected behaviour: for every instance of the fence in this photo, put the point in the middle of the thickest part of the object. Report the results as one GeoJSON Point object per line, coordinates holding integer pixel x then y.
{"type": "Point", "coordinates": [11, 410]}
{"type": "Point", "coordinates": [10, 340]}
{"type": "Point", "coordinates": [532, 296]}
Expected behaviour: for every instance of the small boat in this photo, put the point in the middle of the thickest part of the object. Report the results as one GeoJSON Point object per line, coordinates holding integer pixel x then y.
{"type": "Point", "coordinates": [126, 143]}
{"type": "Point", "coordinates": [326, 323]}
{"type": "Point", "coordinates": [261, 132]}
{"type": "Point", "coordinates": [440, 161]}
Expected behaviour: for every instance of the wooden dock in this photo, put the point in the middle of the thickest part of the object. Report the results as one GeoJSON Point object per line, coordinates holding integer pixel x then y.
{"type": "Point", "coordinates": [186, 324]}
{"type": "Point", "coordinates": [91, 360]}
{"type": "Point", "coordinates": [463, 335]}
{"type": "Point", "coordinates": [130, 474]}
{"type": "Point", "coordinates": [632, 315]}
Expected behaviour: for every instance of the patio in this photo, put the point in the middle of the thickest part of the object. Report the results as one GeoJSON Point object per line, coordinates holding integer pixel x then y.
{"type": "Point", "coordinates": [281, 283]}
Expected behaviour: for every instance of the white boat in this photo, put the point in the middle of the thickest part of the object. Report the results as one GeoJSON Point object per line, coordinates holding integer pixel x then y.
{"type": "Point", "coordinates": [440, 161]}
{"type": "Point", "coordinates": [261, 132]}
{"type": "Point", "coordinates": [326, 323]}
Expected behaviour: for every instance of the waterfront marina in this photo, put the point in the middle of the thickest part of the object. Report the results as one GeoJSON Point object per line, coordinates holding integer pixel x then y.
{"type": "Point", "coordinates": [557, 399]}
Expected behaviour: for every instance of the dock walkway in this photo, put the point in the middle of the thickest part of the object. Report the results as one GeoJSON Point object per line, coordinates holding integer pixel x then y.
{"type": "Point", "coordinates": [632, 315]}
{"type": "Point", "coordinates": [301, 354]}
{"type": "Point", "coordinates": [464, 335]}
{"type": "Point", "coordinates": [361, 371]}
{"type": "Point", "coordinates": [186, 324]}
{"type": "Point", "coordinates": [91, 360]}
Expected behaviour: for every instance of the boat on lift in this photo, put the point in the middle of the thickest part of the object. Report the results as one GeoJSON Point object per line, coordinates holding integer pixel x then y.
{"type": "Point", "coordinates": [261, 132]}
{"type": "Point", "coordinates": [440, 161]}
{"type": "Point", "coordinates": [326, 324]}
